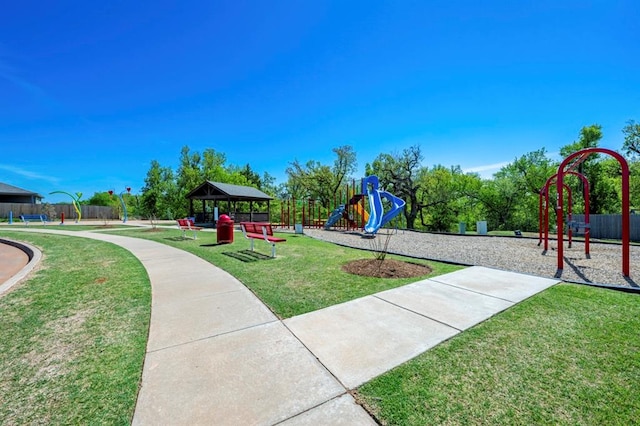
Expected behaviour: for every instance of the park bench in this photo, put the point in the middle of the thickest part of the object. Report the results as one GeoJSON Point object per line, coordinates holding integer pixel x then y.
{"type": "Point", "coordinates": [188, 225]}
{"type": "Point", "coordinates": [26, 218]}
{"type": "Point", "coordinates": [260, 231]}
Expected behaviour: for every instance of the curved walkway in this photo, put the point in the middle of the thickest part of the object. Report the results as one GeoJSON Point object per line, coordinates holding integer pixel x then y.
{"type": "Point", "coordinates": [217, 355]}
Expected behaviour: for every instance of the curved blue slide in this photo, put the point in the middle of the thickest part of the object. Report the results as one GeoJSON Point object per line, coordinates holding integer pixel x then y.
{"type": "Point", "coordinates": [377, 216]}
{"type": "Point", "coordinates": [375, 213]}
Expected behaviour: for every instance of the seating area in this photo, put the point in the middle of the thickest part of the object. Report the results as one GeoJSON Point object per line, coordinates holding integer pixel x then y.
{"type": "Point", "coordinates": [26, 218]}
{"type": "Point", "coordinates": [261, 231]}
{"type": "Point", "coordinates": [187, 224]}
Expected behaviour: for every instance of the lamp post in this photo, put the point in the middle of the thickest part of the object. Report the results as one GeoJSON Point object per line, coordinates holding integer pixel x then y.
{"type": "Point", "coordinates": [124, 205]}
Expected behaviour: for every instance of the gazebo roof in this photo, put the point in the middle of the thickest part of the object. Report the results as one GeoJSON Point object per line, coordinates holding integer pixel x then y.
{"type": "Point", "coordinates": [225, 191]}
{"type": "Point", "coordinates": [6, 189]}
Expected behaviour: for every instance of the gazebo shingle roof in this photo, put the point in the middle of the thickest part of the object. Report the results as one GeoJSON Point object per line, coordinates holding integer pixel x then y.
{"type": "Point", "coordinates": [226, 191]}
{"type": "Point", "coordinates": [6, 189]}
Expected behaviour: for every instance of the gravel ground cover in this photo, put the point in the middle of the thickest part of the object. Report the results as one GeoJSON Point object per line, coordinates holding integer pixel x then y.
{"type": "Point", "coordinates": [518, 254]}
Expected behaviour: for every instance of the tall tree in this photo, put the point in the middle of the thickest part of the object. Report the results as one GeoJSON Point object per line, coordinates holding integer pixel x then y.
{"type": "Point", "coordinates": [213, 166]}
{"type": "Point", "coordinates": [158, 193]}
{"type": "Point", "coordinates": [600, 191]}
{"type": "Point", "coordinates": [631, 133]}
{"type": "Point", "coordinates": [439, 198]}
{"type": "Point", "coordinates": [321, 181]}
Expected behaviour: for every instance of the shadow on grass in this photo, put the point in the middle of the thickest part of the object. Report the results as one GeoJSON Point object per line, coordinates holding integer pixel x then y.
{"type": "Point", "coordinates": [246, 255]}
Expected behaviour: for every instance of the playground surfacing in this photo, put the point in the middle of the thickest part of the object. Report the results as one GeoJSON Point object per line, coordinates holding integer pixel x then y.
{"type": "Point", "coordinates": [516, 254]}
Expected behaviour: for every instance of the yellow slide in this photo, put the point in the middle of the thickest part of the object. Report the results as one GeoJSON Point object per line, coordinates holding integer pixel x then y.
{"type": "Point", "coordinates": [362, 212]}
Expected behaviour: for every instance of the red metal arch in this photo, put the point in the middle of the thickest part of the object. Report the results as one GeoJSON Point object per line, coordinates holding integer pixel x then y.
{"type": "Point", "coordinates": [543, 219]}
{"type": "Point", "coordinates": [572, 161]}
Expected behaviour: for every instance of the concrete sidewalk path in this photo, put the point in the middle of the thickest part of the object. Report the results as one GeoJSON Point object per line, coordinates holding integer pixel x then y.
{"type": "Point", "coordinates": [217, 355]}
{"type": "Point", "coordinates": [363, 338]}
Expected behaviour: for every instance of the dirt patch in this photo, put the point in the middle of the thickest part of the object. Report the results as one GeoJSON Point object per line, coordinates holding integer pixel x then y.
{"type": "Point", "coordinates": [387, 268]}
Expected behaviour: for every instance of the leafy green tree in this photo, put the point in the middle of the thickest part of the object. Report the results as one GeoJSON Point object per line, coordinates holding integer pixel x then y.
{"type": "Point", "coordinates": [102, 199]}
{"type": "Point", "coordinates": [158, 194]}
{"type": "Point", "coordinates": [528, 174]}
{"type": "Point", "coordinates": [601, 191]}
{"type": "Point", "coordinates": [499, 198]}
{"type": "Point", "coordinates": [631, 133]}
{"type": "Point", "coordinates": [213, 167]}
{"type": "Point", "coordinates": [320, 181]}
{"type": "Point", "coordinates": [634, 185]}
{"type": "Point", "coordinates": [439, 197]}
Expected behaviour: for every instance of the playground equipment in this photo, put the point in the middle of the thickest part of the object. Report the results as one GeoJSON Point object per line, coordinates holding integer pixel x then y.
{"type": "Point", "coordinates": [544, 201]}
{"type": "Point", "coordinates": [569, 164]}
{"type": "Point", "coordinates": [341, 212]}
{"type": "Point", "coordinates": [122, 203]}
{"type": "Point", "coordinates": [345, 210]}
{"type": "Point", "coordinates": [377, 216]}
{"type": "Point", "coordinates": [75, 201]}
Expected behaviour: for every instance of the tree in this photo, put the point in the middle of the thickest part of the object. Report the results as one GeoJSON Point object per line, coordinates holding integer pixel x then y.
{"type": "Point", "coordinates": [600, 191]}
{"type": "Point", "coordinates": [439, 198]}
{"type": "Point", "coordinates": [158, 194]}
{"type": "Point", "coordinates": [102, 199]}
{"type": "Point", "coordinates": [499, 197]}
{"type": "Point", "coordinates": [319, 181]}
{"type": "Point", "coordinates": [528, 174]}
{"type": "Point", "coordinates": [631, 133]}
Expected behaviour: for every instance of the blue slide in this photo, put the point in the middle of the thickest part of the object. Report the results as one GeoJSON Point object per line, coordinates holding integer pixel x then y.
{"type": "Point", "coordinates": [377, 216]}
{"type": "Point", "coordinates": [375, 213]}
{"type": "Point", "coordinates": [334, 216]}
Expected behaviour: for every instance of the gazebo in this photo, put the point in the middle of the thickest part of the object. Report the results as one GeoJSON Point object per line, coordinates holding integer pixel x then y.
{"type": "Point", "coordinates": [235, 198]}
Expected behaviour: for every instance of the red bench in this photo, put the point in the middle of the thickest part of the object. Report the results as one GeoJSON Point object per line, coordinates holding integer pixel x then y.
{"type": "Point", "coordinates": [187, 225]}
{"type": "Point", "coordinates": [260, 231]}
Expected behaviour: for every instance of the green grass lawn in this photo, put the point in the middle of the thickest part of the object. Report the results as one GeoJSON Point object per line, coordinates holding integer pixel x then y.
{"type": "Point", "coordinates": [569, 355]}
{"type": "Point", "coordinates": [305, 276]}
{"type": "Point", "coordinates": [73, 337]}
{"type": "Point", "coordinates": [56, 225]}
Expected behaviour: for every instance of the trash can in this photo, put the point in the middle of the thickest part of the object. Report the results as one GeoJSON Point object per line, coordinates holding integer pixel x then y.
{"type": "Point", "coordinates": [481, 227]}
{"type": "Point", "coordinates": [224, 228]}
{"type": "Point", "coordinates": [462, 227]}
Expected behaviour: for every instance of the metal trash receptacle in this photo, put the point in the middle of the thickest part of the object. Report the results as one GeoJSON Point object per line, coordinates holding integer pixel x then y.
{"type": "Point", "coordinates": [224, 229]}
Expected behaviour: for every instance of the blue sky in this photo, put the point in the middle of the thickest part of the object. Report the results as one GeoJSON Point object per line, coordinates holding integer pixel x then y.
{"type": "Point", "coordinates": [92, 92]}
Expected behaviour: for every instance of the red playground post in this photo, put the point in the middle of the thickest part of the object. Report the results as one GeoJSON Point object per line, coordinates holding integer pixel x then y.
{"type": "Point", "coordinates": [570, 163]}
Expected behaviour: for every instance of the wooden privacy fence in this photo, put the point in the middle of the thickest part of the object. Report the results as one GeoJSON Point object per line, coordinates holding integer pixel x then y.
{"type": "Point", "coordinates": [609, 226]}
{"type": "Point", "coordinates": [54, 211]}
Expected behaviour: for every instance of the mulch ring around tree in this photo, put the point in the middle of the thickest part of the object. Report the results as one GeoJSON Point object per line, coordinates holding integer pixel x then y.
{"type": "Point", "coordinates": [387, 268]}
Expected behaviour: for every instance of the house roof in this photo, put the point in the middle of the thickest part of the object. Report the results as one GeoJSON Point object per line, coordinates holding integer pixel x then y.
{"type": "Point", "coordinates": [6, 189]}
{"type": "Point", "coordinates": [225, 191]}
